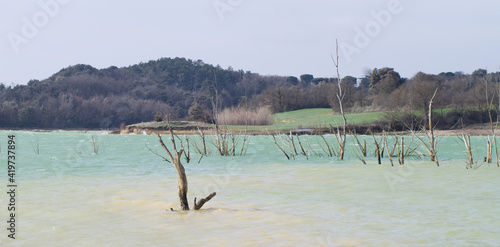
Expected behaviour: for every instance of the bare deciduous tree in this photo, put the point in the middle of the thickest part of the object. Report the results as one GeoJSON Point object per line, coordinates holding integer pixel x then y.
{"type": "Point", "coordinates": [431, 144]}
{"type": "Point", "coordinates": [390, 151]}
{"type": "Point", "coordinates": [468, 147]}
{"type": "Point", "coordinates": [282, 147]}
{"type": "Point", "coordinates": [341, 136]}
{"type": "Point", "coordinates": [379, 148]}
{"type": "Point", "coordinates": [490, 143]}
{"type": "Point", "coordinates": [175, 159]}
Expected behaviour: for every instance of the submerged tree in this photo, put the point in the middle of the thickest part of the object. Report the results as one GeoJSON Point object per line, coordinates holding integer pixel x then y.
{"type": "Point", "coordinates": [431, 146]}
{"type": "Point", "coordinates": [491, 141]}
{"type": "Point", "coordinates": [341, 136]}
{"type": "Point", "coordinates": [175, 159]}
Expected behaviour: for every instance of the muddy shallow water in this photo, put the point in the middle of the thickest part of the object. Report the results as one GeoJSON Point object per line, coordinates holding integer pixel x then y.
{"type": "Point", "coordinates": [70, 196]}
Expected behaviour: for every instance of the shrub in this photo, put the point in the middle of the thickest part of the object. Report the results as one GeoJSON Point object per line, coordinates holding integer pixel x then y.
{"type": "Point", "coordinates": [242, 116]}
{"type": "Point", "coordinates": [466, 116]}
{"type": "Point", "coordinates": [400, 121]}
{"type": "Point", "coordinates": [199, 113]}
{"type": "Point", "coordinates": [158, 117]}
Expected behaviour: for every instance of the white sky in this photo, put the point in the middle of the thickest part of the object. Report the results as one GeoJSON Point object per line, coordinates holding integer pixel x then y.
{"type": "Point", "coordinates": [270, 37]}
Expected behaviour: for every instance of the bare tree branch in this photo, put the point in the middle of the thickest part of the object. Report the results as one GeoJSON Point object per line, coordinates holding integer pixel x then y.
{"type": "Point", "coordinates": [198, 205]}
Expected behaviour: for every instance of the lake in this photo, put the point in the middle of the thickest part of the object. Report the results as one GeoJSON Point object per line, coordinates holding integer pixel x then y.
{"type": "Point", "coordinates": [69, 195]}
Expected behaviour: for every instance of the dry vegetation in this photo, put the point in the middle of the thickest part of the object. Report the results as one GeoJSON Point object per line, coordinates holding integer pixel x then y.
{"type": "Point", "coordinates": [243, 116]}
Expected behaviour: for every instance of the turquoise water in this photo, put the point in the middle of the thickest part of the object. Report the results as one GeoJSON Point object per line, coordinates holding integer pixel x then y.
{"type": "Point", "coordinates": [70, 196]}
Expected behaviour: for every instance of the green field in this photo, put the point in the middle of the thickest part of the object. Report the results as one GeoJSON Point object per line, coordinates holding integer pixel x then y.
{"type": "Point", "coordinates": [319, 118]}
{"type": "Point", "coordinates": [312, 118]}
{"type": "Point", "coordinates": [306, 118]}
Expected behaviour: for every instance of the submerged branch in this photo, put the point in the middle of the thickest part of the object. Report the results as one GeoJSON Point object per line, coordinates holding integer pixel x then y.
{"type": "Point", "coordinates": [198, 205]}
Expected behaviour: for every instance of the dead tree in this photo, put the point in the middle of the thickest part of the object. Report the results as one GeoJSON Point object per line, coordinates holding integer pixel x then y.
{"type": "Point", "coordinates": [466, 140]}
{"type": "Point", "coordinates": [36, 146]}
{"type": "Point", "coordinates": [282, 147]}
{"type": "Point", "coordinates": [489, 150]}
{"type": "Point", "coordinates": [362, 147]}
{"type": "Point", "coordinates": [378, 148]}
{"type": "Point", "coordinates": [292, 144]}
{"type": "Point", "coordinates": [304, 151]}
{"type": "Point", "coordinates": [432, 141]}
{"type": "Point", "coordinates": [175, 159]}
{"type": "Point", "coordinates": [226, 142]}
{"type": "Point", "coordinates": [341, 136]}
{"type": "Point", "coordinates": [390, 151]}
{"type": "Point", "coordinates": [401, 156]}
{"type": "Point", "coordinates": [490, 143]}
{"type": "Point", "coordinates": [221, 137]}
{"type": "Point", "coordinates": [95, 145]}
{"type": "Point", "coordinates": [198, 205]}
{"type": "Point", "coordinates": [360, 151]}
{"type": "Point", "coordinates": [201, 134]}
{"type": "Point", "coordinates": [244, 145]}
{"type": "Point", "coordinates": [288, 142]}
{"type": "Point", "coordinates": [329, 151]}
{"type": "Point", "coordinates": [221, 141]}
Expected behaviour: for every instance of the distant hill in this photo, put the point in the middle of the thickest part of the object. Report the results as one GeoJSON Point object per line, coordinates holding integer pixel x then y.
{"type": "Point", "coordinates": [82, 96]}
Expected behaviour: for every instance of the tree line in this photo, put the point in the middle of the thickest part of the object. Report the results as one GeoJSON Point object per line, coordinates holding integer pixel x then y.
{"type": "Point", "coordinates": [82, 96]}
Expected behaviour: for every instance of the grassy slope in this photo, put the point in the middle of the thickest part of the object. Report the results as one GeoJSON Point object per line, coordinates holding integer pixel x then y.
{"type": "Point", "coordinates": [318, 118]}
{"type": "Point", "coordinates": [306, 118]}
{"type": "Point", "coordinates": [312, 118]}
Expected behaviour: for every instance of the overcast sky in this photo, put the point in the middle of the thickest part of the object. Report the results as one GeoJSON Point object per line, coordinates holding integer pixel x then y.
{"type": "Point", "coordinates": [270, 37]}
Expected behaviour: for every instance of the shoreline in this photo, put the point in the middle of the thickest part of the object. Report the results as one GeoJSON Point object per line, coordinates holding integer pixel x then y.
{"type": "Point", "coordinates": [189, 129]}
{"type": "Point", "coordinates": [192, 128]}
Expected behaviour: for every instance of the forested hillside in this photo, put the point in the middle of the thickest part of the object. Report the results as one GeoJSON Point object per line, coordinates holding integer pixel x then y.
{"type": "Point", "coordinates": [81, 96]}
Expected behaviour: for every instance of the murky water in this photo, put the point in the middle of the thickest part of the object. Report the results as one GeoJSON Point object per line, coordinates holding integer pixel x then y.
{"type": "Point", "coordinates": [69, 196]}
